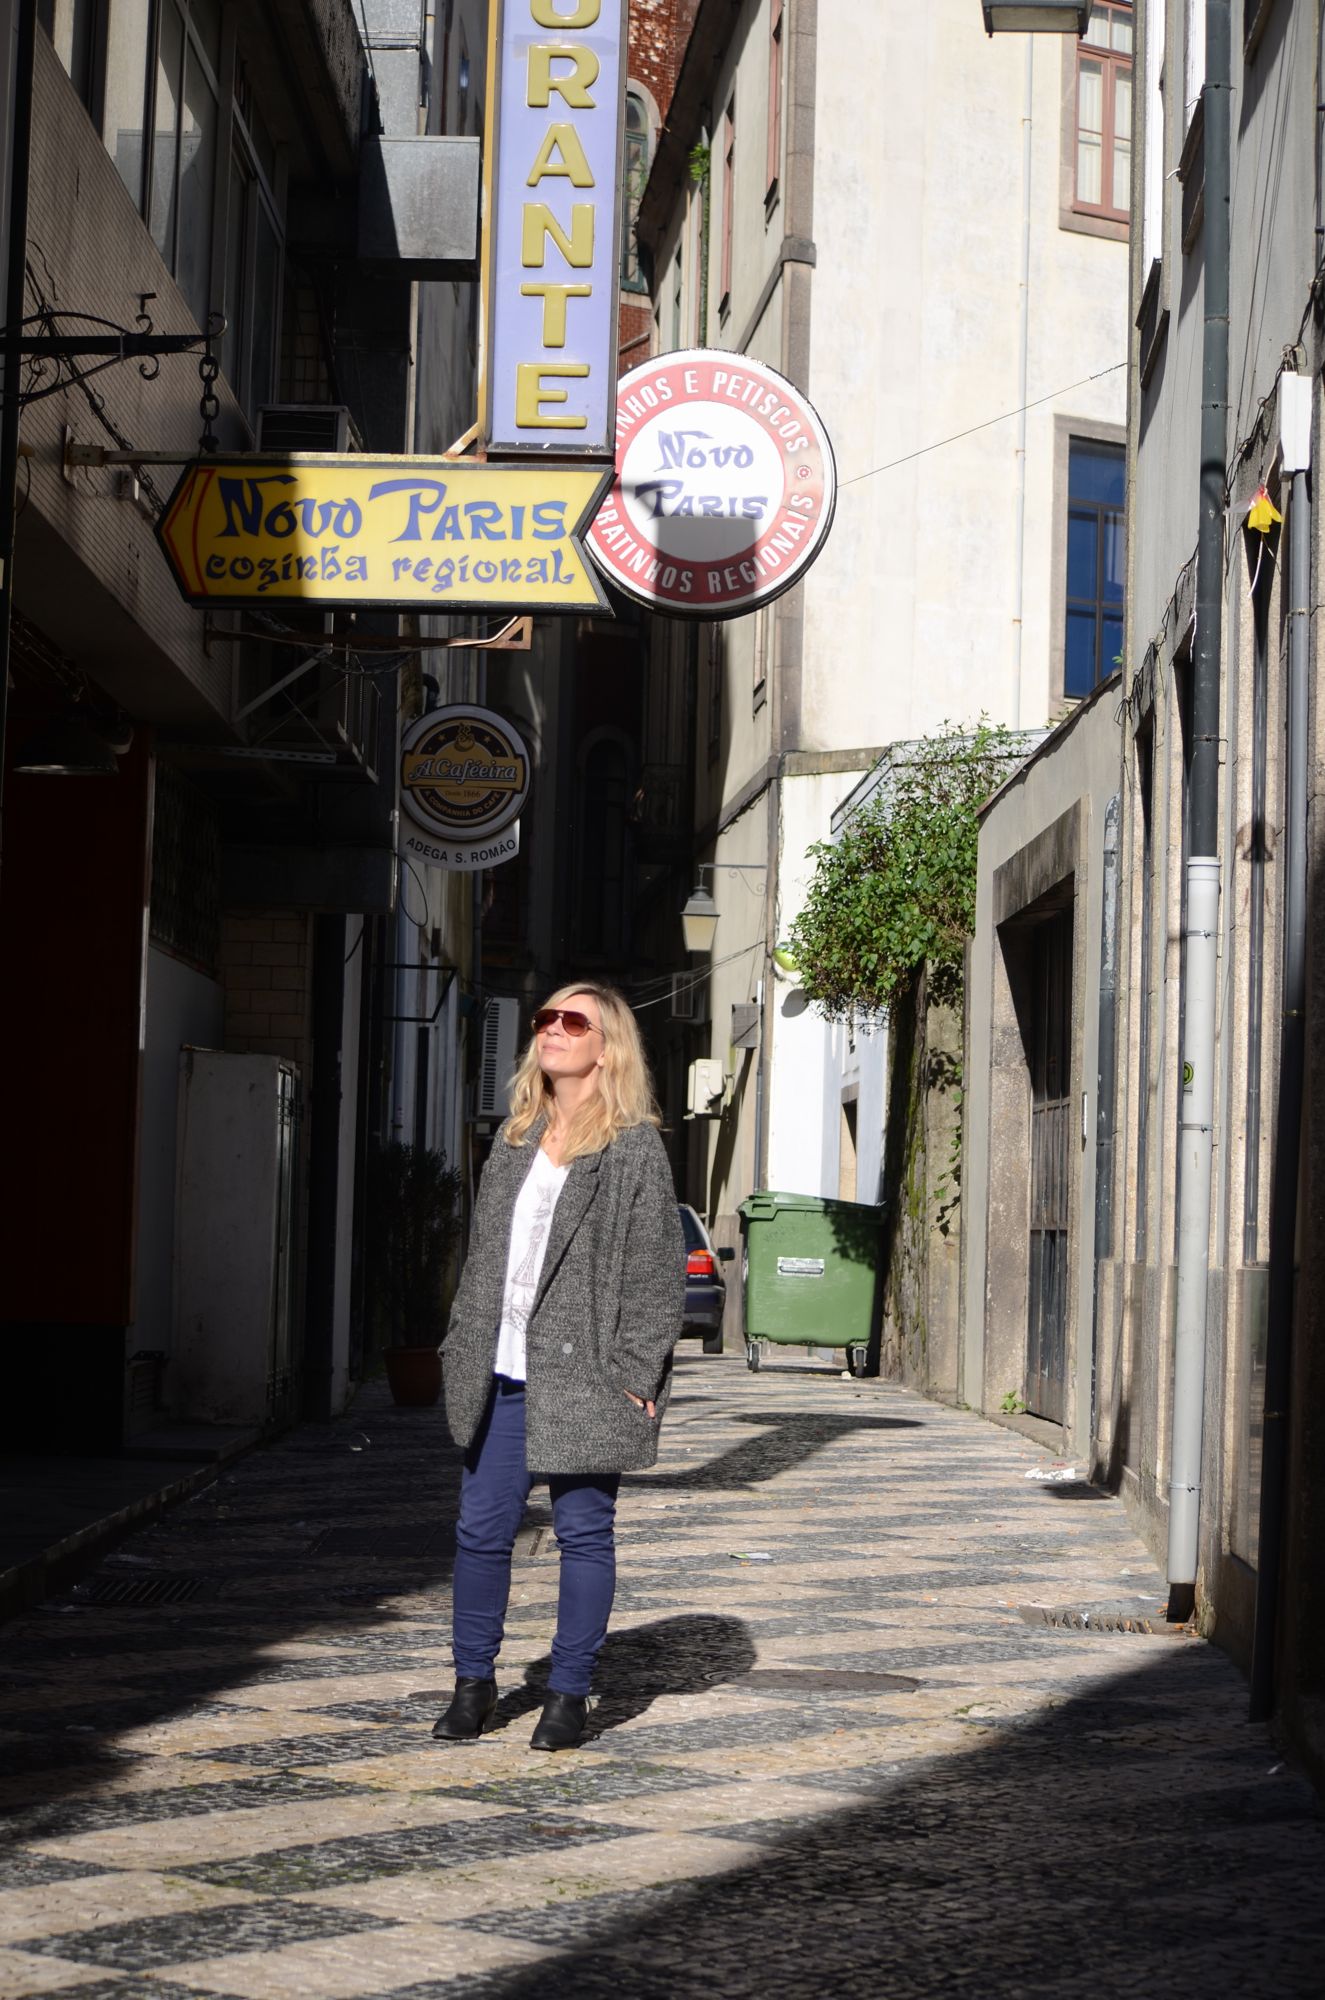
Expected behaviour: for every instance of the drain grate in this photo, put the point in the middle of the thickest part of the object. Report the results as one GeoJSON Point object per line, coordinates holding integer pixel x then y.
{"type": "Point", "coordinates": [1094, 1618]}
{"type": "Point", "coordinates": [166, 1587]}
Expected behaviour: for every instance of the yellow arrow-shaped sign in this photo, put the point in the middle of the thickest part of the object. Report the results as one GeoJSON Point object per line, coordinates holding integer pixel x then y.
{"type": "Point", "coordinates": [429, 534]}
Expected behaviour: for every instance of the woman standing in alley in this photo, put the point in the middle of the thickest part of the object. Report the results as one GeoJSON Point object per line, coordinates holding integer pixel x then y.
{"type": "Point", "coordinates": [558, 1355]}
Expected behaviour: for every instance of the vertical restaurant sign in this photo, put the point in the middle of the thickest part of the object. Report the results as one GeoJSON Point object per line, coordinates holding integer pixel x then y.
{"type": "Point", "coordinates": [551, 226]}
{"type": "Point", "coordinates": [464, 775]}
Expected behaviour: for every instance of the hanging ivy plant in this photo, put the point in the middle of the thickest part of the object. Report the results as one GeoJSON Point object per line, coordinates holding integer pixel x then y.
{"type": "Point", "coordinates": [896, 891]}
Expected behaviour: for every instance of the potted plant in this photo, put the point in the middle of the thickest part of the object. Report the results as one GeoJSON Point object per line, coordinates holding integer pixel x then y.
{"type": "Point", "coordinates": [414, 1230]}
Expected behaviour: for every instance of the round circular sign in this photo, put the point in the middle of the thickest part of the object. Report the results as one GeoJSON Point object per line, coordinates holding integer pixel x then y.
{"type": "Point", "coordinates": [724, 490]}
{"type": "Point", "coordinates": [464, 773]}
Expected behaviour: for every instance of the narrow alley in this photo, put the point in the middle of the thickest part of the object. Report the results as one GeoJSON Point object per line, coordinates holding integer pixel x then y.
{"type": "Point", "coordinates": [847, 1743]}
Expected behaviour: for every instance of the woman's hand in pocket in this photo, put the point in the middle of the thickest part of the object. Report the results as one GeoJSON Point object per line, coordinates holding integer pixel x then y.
{"type": "Point", "coordinates": [640, 1404]}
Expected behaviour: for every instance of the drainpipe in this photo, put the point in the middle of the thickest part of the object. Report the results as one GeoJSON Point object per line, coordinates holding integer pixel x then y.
{"type": "Point", "coordinates": [1023, 377]}
{"type": "Point", "coordinates": [1106, 1088]}
{"type": "Point", "coordinates": [1201, 933]}
{"type": "Point", "coordinates": [1292, 1033]}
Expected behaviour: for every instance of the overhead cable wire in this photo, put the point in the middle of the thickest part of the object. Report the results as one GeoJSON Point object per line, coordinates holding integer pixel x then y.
{"type": "Point", "coordinates": [1005, 417]}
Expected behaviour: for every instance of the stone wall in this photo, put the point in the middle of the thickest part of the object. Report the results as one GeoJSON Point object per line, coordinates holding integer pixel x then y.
{"type": "Point", "coordinates": [922, 1241]}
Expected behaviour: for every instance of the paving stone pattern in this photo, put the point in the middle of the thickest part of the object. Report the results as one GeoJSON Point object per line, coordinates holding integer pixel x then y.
{"type": "Point", "coordinates": [829, 1756]}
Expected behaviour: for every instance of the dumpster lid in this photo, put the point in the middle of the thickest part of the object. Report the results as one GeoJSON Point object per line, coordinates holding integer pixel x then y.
{"type": "Point", "coordinates": [770, 1201]}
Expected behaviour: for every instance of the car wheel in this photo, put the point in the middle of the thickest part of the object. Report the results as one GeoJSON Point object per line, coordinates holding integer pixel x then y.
{"type": "Point", "coordinates": [713, 1343]}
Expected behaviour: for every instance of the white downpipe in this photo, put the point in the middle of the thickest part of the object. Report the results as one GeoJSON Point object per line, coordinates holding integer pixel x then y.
{"type": "Point", "coordinates": [1023, 378]}
{"type": "Point", "coordinates": [1195, 1139]}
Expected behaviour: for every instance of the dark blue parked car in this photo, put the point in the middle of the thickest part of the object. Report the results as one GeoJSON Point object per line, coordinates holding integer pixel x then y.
{"type": "Point", "coordinates": [706, 1288]}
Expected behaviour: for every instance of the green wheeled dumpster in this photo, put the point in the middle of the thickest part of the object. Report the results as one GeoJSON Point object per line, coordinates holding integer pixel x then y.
{"type": "Point", "coordinates": [812, 1273]}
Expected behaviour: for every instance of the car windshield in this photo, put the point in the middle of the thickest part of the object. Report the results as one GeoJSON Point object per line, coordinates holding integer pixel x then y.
{"type": "Point", "coordinates": [694, 1235]}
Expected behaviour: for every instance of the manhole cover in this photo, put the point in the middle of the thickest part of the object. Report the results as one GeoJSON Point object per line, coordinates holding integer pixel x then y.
{"type": "Point", "coordinates": [166, 1587]}
{"type": "Point", "coordinates": [826, 1680]}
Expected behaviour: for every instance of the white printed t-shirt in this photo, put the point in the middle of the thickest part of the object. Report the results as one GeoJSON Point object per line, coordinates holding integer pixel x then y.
{"type": "Point", "coordinates": [531, 1225]}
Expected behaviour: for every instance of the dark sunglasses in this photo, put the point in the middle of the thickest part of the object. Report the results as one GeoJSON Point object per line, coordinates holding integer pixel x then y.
{"type": "Point", "coordinates": [571, 1019]}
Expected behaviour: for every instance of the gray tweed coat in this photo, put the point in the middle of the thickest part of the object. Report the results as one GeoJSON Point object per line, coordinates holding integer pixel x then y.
{"type": "Point", "coordinates": [606, 1315]}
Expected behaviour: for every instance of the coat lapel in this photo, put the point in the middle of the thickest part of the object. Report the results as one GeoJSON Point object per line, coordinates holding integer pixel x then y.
{"type": "Point", "coordinates": [572, 1206]}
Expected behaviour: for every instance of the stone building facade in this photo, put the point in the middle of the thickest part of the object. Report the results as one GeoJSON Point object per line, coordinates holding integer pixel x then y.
{"type": "Point", "coordinates": [813, 204]}
{"type": "Point", "coordinates": [231, 885]}
{"type": "Point", "coordinates": [1186, 1354]}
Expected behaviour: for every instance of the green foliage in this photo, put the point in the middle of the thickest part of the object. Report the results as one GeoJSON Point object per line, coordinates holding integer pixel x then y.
{"type": "Point", "coordinates": [1012, 1404]}
{"type": "Point", "coordinates": [897, 891]}
{"type": "Point", "coordinates": [700, 161]}
{"type": "Point", "coordinates": [413, 1230]}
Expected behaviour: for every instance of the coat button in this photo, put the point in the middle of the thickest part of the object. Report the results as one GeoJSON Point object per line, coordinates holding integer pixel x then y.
{"type": "Point", "coordinates": [568, 1347]}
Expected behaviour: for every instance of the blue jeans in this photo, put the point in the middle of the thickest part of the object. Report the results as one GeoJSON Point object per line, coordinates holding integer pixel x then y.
{"type": "Point", "coordinates": [493, 1491]}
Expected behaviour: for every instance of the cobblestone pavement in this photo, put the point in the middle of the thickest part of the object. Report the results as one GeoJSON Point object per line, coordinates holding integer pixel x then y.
{"type": "Point", "coordinates": [834, 1755]}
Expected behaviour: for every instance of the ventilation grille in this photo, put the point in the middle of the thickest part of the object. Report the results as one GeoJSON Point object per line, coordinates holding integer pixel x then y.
{"type": "Point", "coordinates": [166, 1587]}
{"type": "Point", "coordinates": [500, 1025]}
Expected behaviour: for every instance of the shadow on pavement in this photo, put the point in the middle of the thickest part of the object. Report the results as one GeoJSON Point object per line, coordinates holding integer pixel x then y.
{"type": "Point", "coordinates": [338, 1537]}
{"type": "Point", "coordinates": [684, 1655]}
{"type": "Point", "coordinates": [1135, 1836]}
{"type": "Point", "coordinates": [780, 1444]}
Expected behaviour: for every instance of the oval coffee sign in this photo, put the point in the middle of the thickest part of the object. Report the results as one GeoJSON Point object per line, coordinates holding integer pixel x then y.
{"type": "Point", "coordinates": [464, 773]}
{"type": "Point", "coordinates": [725, 485]}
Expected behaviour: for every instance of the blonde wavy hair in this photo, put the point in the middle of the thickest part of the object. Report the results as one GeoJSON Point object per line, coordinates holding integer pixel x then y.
{"type": "Point", "coordinates": [625, 1090]}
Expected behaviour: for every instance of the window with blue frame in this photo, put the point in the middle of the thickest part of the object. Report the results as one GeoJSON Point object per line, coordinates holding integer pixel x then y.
{"type": "Point", "coordinates": [1096, 563]}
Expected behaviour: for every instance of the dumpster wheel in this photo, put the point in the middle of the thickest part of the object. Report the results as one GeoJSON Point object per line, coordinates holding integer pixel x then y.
{"type": "Point", "coordinates": [858, 1360]}
{"type": "Point", "coordinates": [752, 1356]}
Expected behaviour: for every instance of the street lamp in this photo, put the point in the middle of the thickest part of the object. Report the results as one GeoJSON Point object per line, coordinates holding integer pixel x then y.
{"type": "Point", "coordinates": [1036, 17]}
{"type": "Point", "coordinates": [699, 919]}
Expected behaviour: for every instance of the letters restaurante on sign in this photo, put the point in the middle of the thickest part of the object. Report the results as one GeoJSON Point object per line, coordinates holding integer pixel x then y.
{"type": "Point", "coordinates": [552, 213]}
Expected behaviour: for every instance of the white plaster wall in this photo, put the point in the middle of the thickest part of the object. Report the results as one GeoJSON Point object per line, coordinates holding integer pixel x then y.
{"type": "Point", "coordinates": [909, 619]}
{"type": "Point", "coordinates": [918, 209]}
{"type": "Point", "coordinates": [740, 884]}
{"type": "Point", "coordinates": [858, 1056]}
{"type": "Point", "coordinates": [805, 1096]}
{"type": "Point", "coordinates": [184, 1008]}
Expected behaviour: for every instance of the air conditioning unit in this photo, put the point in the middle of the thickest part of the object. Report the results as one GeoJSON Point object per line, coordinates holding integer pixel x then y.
{"type": "Point", "coordinates": [689, 996]}
{"type": "Point", "coordinates": [708, 1088]}
{"type": "Point", "coordinates": [307, 427]}
{"type": "Point", "coordinates": [501, 1030]}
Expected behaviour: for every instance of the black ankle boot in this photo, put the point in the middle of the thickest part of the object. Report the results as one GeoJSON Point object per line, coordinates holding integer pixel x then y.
{"type": "Point", "coordinates": [471, 1708]}
{"type": "Point", "coordinates": [561, 1724]}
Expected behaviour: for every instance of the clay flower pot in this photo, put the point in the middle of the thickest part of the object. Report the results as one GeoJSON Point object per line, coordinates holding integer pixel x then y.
{"type": "Point", "coordinates": [414, 1375]}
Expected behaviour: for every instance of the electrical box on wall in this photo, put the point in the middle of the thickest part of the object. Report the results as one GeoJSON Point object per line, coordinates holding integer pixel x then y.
{"type": "Point", "coordinates": [708, 1087]}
